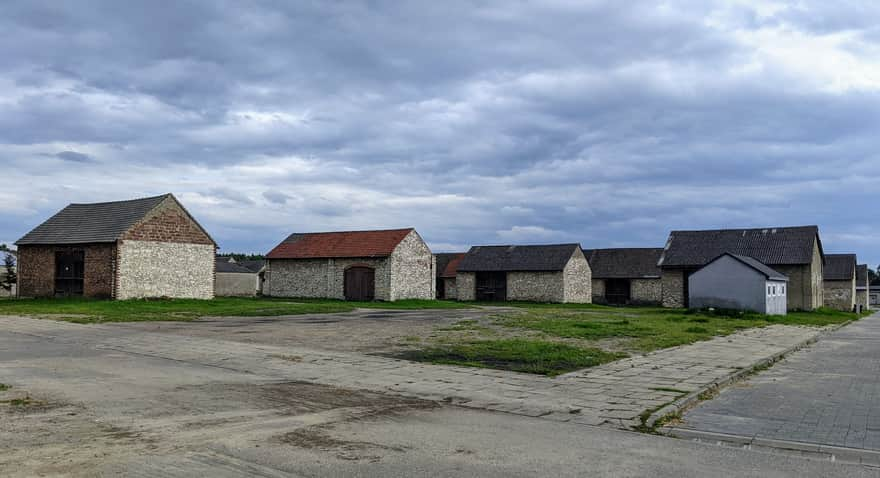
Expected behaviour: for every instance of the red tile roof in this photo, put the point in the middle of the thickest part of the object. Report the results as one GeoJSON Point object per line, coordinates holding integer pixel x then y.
{"type": "Point", "coordinates": [452, 268]}
{"type": "Point", "coordinates": [322, 245]}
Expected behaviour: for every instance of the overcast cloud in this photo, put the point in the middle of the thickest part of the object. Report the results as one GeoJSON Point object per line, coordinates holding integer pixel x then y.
{"type": "Point", "coordinates": [601, 122]}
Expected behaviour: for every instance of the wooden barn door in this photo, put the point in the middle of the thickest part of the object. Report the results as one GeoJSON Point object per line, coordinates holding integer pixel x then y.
{"type": "Point", "coordinates": [617, 291]}
{"type": "Point", "coordinates": [491, 286]}
{"type": "Point", "coordinates": [360, 283]}
{"type": "Point", "coordinates": [69, 272]}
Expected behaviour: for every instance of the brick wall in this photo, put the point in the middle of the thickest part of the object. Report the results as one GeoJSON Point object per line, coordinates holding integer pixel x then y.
{"type": "Point", "coordinates": [165, 269]}
{"type": "Point", "coordinates": [36, 269]}
{"type": "Point", "coordinates": [167, 222]}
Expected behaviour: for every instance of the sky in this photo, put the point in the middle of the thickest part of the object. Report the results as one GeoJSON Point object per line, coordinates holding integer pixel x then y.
{"type": "Point", "coordinates": [606, 123]}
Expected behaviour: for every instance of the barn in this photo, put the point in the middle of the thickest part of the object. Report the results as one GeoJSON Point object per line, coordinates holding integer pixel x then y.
{"type": "Point", "coordinates": [383, 265]}
{"type": "Point", "coordinates": [626, 275]}
{"type": "Point", "coordinates": [839, 281]}
{"type": "Point", "coordinates": [140, 248]}
{"type": "Point", "coordinates": [447, 267]}
{"type": "Point", "coordinates": [737, 282]}
{"type": "Point", "coordinates": [540, 273]}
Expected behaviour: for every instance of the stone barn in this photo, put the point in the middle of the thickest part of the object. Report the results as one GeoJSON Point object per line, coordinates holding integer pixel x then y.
{"type": "Point", "coordinates": [740, 283]}
{"type": "Point", "coordinates": [795, 252]}
{"type": "Point", "coordinates": [626, 275]}
{"type": "Point", "coordinates": [862, 281]}
{"type": "Point", "coordinates": [150, 247]}
{"type": "Point", "coordinates": [840, 281]}
{"type": "Point", "coordinates": [383, 265]}
{"type": "Point", "coordinates": [446, 265]}
{"type": "Point", "coordinates": [545, 273]}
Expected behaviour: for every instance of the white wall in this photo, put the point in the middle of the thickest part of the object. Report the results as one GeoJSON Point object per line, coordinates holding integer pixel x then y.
{"type": "Point", "coordinates": [165, 269]}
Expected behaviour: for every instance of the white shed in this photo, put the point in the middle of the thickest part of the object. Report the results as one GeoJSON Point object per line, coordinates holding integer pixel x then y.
{"type": "Point", "coordinates": [732, 281]}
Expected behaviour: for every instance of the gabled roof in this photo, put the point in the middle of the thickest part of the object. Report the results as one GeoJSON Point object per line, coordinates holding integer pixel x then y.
{"type": "Point", "coordinates": [451, 268]}
{"type": "Point", "coordinates": [862, 275]}
{"type": "Point", "coordinates": [774, 246]}
{"type": "Point", "coordinates": [223, 265]}
{"type": "Point", "coordinates": [755, 264]}
{"type": "Point", "coordinates": [91, 223]}
{"type": "Point", "coordinates": [839, 267]}
{"type": "Point", "coordinates": [324, 245]}
{"type": "Point", "coordinates": [624, 263]}
{"type": "Point", "coordinates": [253, 265]}
{"type": "Point", "coordinates": [443, 259]}
{"type": "Point", "coordinates": [551, 257]}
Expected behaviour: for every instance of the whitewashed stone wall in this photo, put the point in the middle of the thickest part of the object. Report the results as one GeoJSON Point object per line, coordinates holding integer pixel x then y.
{"type": "Point", "coordinates": [165, 269]}
{"type": "Point", "coordinates": [577, 276]}
{"type": "Point", "coordinates": [412, 270]}
{"type": "Point", "coordinates": [466, 286]}
{"type": "Point", "coordinates": [321, 278]}
{"type": "Point", "coordinates": [235, 284]}
{"type": "Point", "coordinates": [536, 286]}
{"type": "Point", "coordinates": [673, 288]}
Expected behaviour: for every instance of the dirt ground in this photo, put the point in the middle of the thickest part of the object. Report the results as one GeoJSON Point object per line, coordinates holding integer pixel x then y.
{"type": "Point", "coordinates": [363, 330]}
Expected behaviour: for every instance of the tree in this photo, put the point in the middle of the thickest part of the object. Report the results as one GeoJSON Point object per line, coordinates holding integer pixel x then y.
{"type": "Point", "coordinates": [11, 277]}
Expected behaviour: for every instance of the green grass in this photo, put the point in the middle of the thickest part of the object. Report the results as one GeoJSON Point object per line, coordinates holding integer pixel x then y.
{"type": "Point", "coordinates": [93, 311]}
{"type": "Point", "coordinates": [4, 387]}
{"type": "Point", "coordinates": [646, 329]}
{"type": "Point", "coordinates": [519, 355]}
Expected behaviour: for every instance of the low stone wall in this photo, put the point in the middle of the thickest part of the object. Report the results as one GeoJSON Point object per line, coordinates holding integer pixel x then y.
{"type": "Point", "coordinates": [165, 269]}
{"type": "Point", "coordinates": [235, 284]}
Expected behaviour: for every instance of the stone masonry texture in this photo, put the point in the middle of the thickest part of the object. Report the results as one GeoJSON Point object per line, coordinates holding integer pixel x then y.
{"type": "Point", "coordinates": [577, 277]}
{"type": "Point", "coordinates": [642, 291]}
{"type": "Point", "coordinates": [573, 284]}
{"type": "Point", "coordinates": [673, 288]}
{"type": "Point", "coordinates": [165, 269]}
{"type": "Point", "coordinates": [406, 274]}
{"type": "Point", "coordinates": [36, 269]}
{"type": "Point", "coordinates": [840, 294]}
{"type": "Point", "coordinates": [466, 286]}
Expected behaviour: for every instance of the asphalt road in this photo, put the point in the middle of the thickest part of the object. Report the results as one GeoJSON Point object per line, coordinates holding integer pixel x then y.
{"type": "Point", "coordinates": [826, 394]}
{"type": "Point", "coordinates": [90, 411]}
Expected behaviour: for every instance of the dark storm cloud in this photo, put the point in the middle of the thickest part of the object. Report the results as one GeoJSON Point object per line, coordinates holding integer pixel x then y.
{"type": "Point", "coordinates": [477, 122]}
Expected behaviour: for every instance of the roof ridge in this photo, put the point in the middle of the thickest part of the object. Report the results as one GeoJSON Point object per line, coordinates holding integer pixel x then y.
{"type": "Point", "coordinates": [361, 230]}
{"type": "Point", "coordinates": [808, 226]}
{"type": "Point", "coordinates": [161, 196]}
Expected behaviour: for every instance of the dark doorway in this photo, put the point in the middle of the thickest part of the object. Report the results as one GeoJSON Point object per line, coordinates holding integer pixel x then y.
{"type": "Point", "coordinates": [69, 271]}
{"type": "Point", "coordinates": [491, 286]}
{"type": "Point", "coordinates": [686, 287]}
{"type": "Point", "coordinates": [617, 291]}
{"type": "Point", "coordinates": [360, 283]}
{"type": "Point", "coordinates": [441, 289]}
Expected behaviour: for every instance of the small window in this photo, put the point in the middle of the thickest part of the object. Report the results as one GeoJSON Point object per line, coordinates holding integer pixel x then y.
{"type": "Point", "coordinates": [769, 291]}
{"type": "Point", "coordinates": [782, 292]}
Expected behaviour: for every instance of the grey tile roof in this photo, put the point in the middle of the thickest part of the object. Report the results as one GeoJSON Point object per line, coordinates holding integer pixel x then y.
{"type": "Point", "coordinates": [552, 257]}
{"type": "Point", "coordinates": [839, 267]}
{"type": "Point", "coordinates": [443, 259]}
{"type": "Point", "coordinates": [862, 275]}
{"type": "Point", "coordinates": [224, 266]}
{"type": "Point", "coordinates": [91, 223]}
{"type": "Point", "coordinates": [254, 265]}
{"type": "Point", "coordinates": [624, 263]}
{"type": "Point", "coordinates": [772, 245]}
{"type": "Point", "coordinates": [758, 266]}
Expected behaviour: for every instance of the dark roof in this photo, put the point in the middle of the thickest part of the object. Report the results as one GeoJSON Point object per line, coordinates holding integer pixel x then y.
{"type": "Point", "coordinates": [451, 269]}
{"type": "Point", "coordinates": [443, 259]}
{"type": "Point", "coordinates": [862, 275]}
{"type": "Point", "coordinates": [839, 267]}
{"type": "Point", "coordinates": [517, 258]}
{"type": "Point", "coordinates": [756, 265]}
{"type": "Point", "coordinates": [317, 245]}
{"type": "Point", "coordinates": [624, 263]}
{"type": "Point", "coordinates": [254, 265]}
{"type": "Point", "coordinates": [91, 223]}
{"type": "Point", "coordinates": [223, 265]}
{"type": "Point", "coordinates": [774, 246]}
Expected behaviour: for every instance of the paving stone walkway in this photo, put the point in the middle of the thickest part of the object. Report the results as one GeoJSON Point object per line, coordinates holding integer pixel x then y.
{"type": "Point", "coordinates": [826, 394]}
{"type": "Point", "coordinates": [614, 394]}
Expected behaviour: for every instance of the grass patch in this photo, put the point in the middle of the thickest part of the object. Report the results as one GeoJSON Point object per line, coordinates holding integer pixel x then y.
{"type": "Point", "coordinates": [645, 329]}
{"type": "Point", "coordinates": [519, 355]}
{"type": "Point", "coordinates": [92, 311]}
{"type": "Point", "coordinates": [4, 387]}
